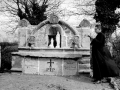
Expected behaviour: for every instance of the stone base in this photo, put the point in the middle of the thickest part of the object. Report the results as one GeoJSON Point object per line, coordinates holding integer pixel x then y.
{"type": "Point", "coordinates": [44, 62]}
{"type": "Point", "coordinates": [47, 66]}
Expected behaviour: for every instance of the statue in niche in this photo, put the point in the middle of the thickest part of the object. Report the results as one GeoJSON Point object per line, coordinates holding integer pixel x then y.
{"type": "Point", "coordinates": [51, 45]}
{"type": "Point", "coordinates": [58, 40]}
{"type": "Point", "coordinates": [53, 30]}
{"type": "Point", "coordinates": [55, 35]}
{"type": "Point", "coordinates": [52, 35]}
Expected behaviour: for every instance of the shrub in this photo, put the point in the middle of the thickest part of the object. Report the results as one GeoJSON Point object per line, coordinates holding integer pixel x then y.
{"type": "Point", "coordinates": [116, 50]}
{"type": "Point", "coordinates": [6, 57]}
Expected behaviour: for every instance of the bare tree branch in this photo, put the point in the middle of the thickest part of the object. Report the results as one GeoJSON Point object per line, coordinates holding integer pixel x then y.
{"type": "Point", "coordinates": [86, 8]}
{"type": "Point", "coordinates": [32, 10]}
{"type": "Point", "coordinates": [8, 5]}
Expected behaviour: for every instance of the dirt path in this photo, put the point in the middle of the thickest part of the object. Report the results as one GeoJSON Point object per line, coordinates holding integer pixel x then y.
{"type": "Point", "coordinates": [18, 81]}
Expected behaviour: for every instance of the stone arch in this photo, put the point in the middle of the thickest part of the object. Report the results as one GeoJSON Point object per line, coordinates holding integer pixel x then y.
{"type": "Point", "coordinates": [41, 25]}
{"type": "Point", "coordinates": [58, 26]}
{"type": "Point", "coordinates": [60, 22]}
{"type": "Point", "coordinates": [68, 26]}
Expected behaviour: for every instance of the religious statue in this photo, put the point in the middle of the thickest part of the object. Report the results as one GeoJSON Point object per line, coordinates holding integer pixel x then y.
{"type": "Point", "coordinates": [31, 41]}
{"type": "Point", "coordinates": [58, 40]}
{"type": "Point", "coordinates": [51, 45]}
{"type": "Point", "coordinates": [75, 42]}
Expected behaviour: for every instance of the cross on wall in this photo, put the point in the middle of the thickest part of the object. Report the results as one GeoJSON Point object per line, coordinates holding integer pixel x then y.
{"type": "Point", "coordinates": [50, 64]}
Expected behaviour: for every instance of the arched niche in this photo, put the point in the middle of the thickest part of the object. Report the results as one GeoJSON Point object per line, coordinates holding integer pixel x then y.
{"type": "Point", "coordinates": [69, 27]}
{"type": "Point", "coordinates": [54, 23]}
{"type": "Point", "coordinates": [54, 20]}
{"type": "Point", "coordinates": [60, 23]}
{"type": "Point", "coordinates": [52, 31]}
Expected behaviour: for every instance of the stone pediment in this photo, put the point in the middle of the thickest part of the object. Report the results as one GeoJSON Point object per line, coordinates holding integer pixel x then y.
{"type": "Point", "coordinates": [84, 23]}
{"type": "Point", "coordinates": [54, 19]}
{"type": "Point", "coordinates": [23, 23]}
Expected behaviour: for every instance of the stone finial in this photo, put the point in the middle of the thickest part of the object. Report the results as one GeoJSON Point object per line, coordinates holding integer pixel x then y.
{"type": "Point", "coordinates": [54, 19]}
{"type": "Point", "coordinates": [23, 23]}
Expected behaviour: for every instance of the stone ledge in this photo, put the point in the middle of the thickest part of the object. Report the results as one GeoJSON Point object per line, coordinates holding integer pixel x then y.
{"type": "Point", "coordinates": [40, 48]}
{"type": "Point", "coordinates": [84, 61]}
{"type": "Point", "coordinates": [84, 71]}
{"type": "Point", "coordinates": [85, 66]}
{"type": "Point", "coordinates": [46, 54]}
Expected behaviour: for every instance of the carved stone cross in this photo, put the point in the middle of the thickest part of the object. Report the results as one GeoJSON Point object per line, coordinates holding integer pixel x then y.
{"type": "Point", "coordinates": [50, 65]}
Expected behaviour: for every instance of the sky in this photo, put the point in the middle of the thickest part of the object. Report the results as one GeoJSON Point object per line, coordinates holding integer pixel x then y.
{"type": "Point", "coordinates": [74, 20]}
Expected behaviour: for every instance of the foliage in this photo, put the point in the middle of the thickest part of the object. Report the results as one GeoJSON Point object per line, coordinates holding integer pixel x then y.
{"type": "Point", "coordinates": [6, 56]}
{"type": "Point", "coordinates": [105, 14]}
{"type": "Point", "coordinates": [103, 11]}
{"type": "Point", "coordinates": [116, 50]}
{"type": "Point", "coordinates": [83, 7]}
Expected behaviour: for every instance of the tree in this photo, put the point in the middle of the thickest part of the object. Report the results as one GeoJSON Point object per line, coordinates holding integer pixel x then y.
{"type": "Point", "coordinates": [84, 7]}
{"type": "Point", "coordinates": [105, 14]}
{"type": "Point", "coordinates": [32, 10]}
{"type": "Point", "coordinates": [103, 11]}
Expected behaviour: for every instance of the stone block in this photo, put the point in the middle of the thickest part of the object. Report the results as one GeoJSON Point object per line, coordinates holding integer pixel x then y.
{"type": "Point", "coordinates": [30, 65]}
{"type": "Point", "coordinates": [17, 63]}
{"type": "Point", "coordinates": [83, 66]}
{"type": "Point", "coordinates": [50, 66]}
{"type": "Point", "coordinates": [70, 67]}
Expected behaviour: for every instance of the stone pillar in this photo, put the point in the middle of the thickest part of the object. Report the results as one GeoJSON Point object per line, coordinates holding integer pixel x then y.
{"type": "Point", "coordinates": [22, 37]}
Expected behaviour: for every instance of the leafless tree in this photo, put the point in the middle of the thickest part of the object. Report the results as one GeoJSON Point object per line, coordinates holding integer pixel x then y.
{"type": "Point", "coordinates": [83, 7]}
{"type": "Point", "coordinates": [35, 11]}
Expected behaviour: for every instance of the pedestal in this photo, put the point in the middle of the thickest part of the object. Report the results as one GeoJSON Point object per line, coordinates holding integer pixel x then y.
{"type": "Point", "coordinates": [46, 63]}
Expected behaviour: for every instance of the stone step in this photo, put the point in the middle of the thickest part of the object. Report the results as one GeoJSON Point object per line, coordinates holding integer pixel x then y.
{"type": "Point", "coordinates": [84, 71]}
{"type": "Point", "coordinates": [84, 61]}
{"type": "Point", "coordinates": [18, 69]}
{"type": "Point", "coordinates": [84, 66]}
{"type": "Point", "coordinates": [87, 57]}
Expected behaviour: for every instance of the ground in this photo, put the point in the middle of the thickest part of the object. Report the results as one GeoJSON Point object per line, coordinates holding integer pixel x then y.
{"type": "Point", "coordinates": [19, 81]}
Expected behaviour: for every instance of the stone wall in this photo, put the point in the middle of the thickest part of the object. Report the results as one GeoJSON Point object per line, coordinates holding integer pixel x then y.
{"type": "Point", "coordinates": [41, 36]}
{"type": "Point", "coordinates": [84, 40]}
